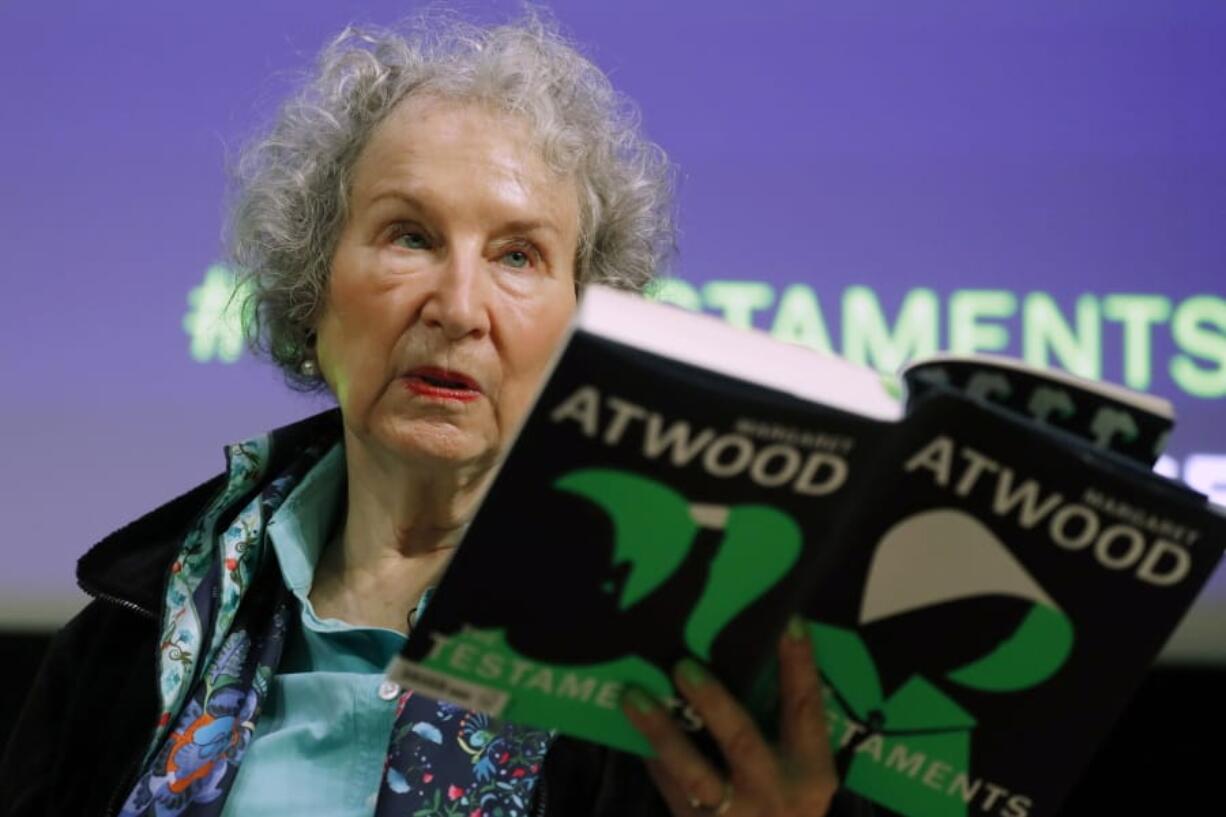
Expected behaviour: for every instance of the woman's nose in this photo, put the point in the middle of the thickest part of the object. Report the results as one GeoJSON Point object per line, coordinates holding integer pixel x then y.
{"type": "Point", "coordinates": [457, 303]}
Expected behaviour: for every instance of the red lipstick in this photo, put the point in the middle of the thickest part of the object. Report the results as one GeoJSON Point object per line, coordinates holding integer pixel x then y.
{"type": "Point", "coordinates": [441, 384]}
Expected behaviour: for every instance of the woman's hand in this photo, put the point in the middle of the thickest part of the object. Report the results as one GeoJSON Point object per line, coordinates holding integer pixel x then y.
{"type": "Point", "coordinates": [796, 778]}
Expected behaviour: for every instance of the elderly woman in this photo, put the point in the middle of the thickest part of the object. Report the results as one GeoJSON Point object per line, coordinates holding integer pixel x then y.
{"type": "Point", "coordinates": [416, 230]}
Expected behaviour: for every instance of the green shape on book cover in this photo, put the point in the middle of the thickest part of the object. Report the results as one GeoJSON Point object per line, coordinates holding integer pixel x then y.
{"type": "Point", "coordinates": [1047, 402]}
{"type": "Point", "coordinates": [654, 528]}
{"type": "Point", "coordinates": [651, 523]}
{"type": "Point", "coordinates": [760, 546]}
{"type": "Point", "coordinates": [899, 744]}
{"type": "Point", "coordinates": [843, 653]}
{"type": "Point", "coordinates": [1037, 648]}
{"type": "Point", "coordinates": [1110, 422]}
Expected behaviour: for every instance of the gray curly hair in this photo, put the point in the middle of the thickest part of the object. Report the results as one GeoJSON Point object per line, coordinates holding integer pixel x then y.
{"type": "Point", "coordinates": [292, 185]}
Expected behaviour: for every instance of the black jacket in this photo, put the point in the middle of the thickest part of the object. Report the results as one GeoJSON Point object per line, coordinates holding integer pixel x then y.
{"type": "Point", "coordinates": [90, 715]}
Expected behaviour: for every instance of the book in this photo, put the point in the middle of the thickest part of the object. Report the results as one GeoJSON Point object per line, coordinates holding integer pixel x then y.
{"type": "Point", "coordinates": [986, 568]}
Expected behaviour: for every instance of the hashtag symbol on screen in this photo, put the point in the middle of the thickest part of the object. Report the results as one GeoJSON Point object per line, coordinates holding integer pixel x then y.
{"type": "Point", "coordinates": [214, 319]}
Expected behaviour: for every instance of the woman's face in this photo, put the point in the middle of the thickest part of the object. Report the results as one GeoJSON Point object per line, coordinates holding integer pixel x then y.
{"type": "Point", "coordinates": [452, 283]}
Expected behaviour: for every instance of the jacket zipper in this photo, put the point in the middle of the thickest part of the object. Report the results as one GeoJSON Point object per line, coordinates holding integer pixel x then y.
{"type": "Point", "coordinates": [131, 606]}
{"type": "Point", "coordinates": [129, 779]}
{"type": "Point", "coordinates": [125, 783]}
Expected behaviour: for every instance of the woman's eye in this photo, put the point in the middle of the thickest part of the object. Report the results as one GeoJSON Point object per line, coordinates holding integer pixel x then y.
{"type": "Point", "coordinates": [411, 240]}
{"type": "Point", "coordinates": [519, 259]}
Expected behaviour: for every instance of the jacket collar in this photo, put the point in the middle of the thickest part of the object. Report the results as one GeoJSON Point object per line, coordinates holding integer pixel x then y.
{"type": "Point", "coordinates": [129, 566]}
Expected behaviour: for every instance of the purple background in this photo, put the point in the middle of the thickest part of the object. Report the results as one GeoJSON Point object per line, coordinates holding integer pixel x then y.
{"type": "Point", "coordinates": [1054, 146]}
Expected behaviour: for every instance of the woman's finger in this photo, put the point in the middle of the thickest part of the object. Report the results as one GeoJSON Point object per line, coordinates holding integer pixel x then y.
{"type": "Point", "coordinates": [802, 727]}
{"type": "Point", "coordinates": [806, 746]}
{"type": "Point", "coordinates": [679, 802]}
{"type": "Point", "coordinates": [748, 755]}
{"type": "Point", "coordinates": [688, 775]}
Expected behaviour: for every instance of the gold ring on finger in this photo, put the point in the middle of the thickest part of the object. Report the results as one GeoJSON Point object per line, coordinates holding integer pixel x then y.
{"type": "Point", "coordinates": [725, 802]}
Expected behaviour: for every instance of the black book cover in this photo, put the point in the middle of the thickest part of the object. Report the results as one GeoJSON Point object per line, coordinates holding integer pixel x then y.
{"type": "Point", "coordinates": [984, 587]}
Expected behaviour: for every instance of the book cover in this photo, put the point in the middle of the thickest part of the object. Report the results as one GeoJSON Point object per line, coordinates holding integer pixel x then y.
{"type": "Point", "coordinates": [636, 521]}
{"type": "Point", "coordinates": [991, 617]}
{"type": "Point", "coordinates": [985, 577]}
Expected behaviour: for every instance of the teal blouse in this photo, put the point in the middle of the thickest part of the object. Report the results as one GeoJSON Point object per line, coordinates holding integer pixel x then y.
{"type": "Point", "coordinates": [329, 708]}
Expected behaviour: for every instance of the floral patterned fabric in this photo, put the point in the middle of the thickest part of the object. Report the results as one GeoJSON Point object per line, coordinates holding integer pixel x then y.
{"type": "Point", "coordinates": [224, 630]}
{"type": "Point", "coordinates": [192, 771]}
{"type": "Point", "coordinates": [446, 761]}
{"type": "Point", "coordinates": [195, 575]}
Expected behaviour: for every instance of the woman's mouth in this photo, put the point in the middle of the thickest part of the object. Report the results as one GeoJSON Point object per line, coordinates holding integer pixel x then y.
{"type": "Point", "coordinates": [436, 383]}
